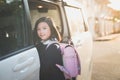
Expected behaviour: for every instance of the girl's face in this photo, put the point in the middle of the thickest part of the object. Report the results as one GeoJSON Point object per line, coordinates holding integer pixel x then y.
{"type": "Point", "coordinates": [43, 31]}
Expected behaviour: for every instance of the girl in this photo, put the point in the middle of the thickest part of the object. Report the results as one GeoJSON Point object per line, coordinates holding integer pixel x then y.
{"type": "Point", "coordinates": [45, 32]}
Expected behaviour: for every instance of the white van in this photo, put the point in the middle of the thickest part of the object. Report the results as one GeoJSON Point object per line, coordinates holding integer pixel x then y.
{"type": "Point", "coordinates": [19, 58]}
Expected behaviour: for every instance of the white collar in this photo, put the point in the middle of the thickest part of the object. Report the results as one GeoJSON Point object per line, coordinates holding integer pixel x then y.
{"type": "Point", "coordinates": [47, 42]}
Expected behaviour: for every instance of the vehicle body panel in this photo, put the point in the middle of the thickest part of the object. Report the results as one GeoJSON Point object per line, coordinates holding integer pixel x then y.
{"type": "Point", "coordinates": [23, 66]}
{"type": "Point", "coordinates": [23, 63]}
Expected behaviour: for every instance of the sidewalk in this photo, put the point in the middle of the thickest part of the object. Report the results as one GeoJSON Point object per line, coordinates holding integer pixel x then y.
{"type": "Point", "coordinates": [107, 37]}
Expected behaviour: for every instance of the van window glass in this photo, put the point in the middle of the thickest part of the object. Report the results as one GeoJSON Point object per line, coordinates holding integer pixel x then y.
{"type": "Point", "coordinates": [75, 19]}
{"type": "Point", "coordinates": [43, 9]}
{"type": "Point", "coordinates": [11, 26]}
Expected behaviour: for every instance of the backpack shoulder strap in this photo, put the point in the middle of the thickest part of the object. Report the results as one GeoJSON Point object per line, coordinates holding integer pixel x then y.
{"type": "Point", "coordinates": [53, 42]}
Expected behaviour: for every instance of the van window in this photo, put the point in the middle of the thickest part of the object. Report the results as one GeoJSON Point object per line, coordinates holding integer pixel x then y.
{"type": "Point", "coordinates": [11, 26]}
{"type": "Point", "coordinates": [43, 9]}
{"type": "Point", "coordinates": [75, 19]}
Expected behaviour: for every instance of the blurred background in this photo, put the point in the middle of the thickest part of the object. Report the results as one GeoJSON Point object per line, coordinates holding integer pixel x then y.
{"type": "Point", "coordinates": [103, 16]}
{"type": "Point", "coordinates": [104, 21]}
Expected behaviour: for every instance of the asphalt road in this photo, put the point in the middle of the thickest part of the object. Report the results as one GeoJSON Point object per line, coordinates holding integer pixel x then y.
{"type": "Point", "coordinates": [106, 60]}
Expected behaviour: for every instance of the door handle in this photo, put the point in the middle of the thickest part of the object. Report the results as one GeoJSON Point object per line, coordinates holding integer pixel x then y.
{"type": "Point", "coordinates": [23, 65]}
{"type": "Point", "coordinates": [79, 43]}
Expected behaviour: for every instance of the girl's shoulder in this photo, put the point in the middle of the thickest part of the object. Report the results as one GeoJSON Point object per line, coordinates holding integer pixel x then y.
{"type": "Point", "coordinates": [54, 48]}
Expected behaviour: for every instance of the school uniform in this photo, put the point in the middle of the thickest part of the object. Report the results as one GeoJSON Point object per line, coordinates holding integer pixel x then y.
{"type": "Point", "coordinates": [48, 58]}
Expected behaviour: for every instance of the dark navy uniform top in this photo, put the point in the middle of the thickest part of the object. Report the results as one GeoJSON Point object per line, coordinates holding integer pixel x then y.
{"type": "Point", "coordinates": [48, 58]}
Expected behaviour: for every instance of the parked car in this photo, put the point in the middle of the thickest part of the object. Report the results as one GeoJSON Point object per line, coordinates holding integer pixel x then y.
{"type": "Point", "coordinates": [19, 59]}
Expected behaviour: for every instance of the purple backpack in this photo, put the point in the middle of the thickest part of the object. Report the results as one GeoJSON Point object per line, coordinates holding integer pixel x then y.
{"type": "Point", "coordinates": [71, 62]}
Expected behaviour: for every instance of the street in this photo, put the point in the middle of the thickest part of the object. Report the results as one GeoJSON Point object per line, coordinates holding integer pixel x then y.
{"type": "Point", "coordinates": [106, 60]}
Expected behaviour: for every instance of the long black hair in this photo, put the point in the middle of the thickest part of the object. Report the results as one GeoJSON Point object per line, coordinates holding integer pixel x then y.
{"type": "Point", "coordinates": [54, 31]}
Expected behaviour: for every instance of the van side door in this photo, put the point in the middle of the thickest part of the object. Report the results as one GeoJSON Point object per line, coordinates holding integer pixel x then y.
{"type": "Point", "coordinates": [19, 58]}
{"type": "Point", "coordinates": [81, 38]}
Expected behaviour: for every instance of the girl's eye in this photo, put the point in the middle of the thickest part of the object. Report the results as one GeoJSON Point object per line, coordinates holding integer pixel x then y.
{"type": "Point", "coordinates": [44, 28]}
